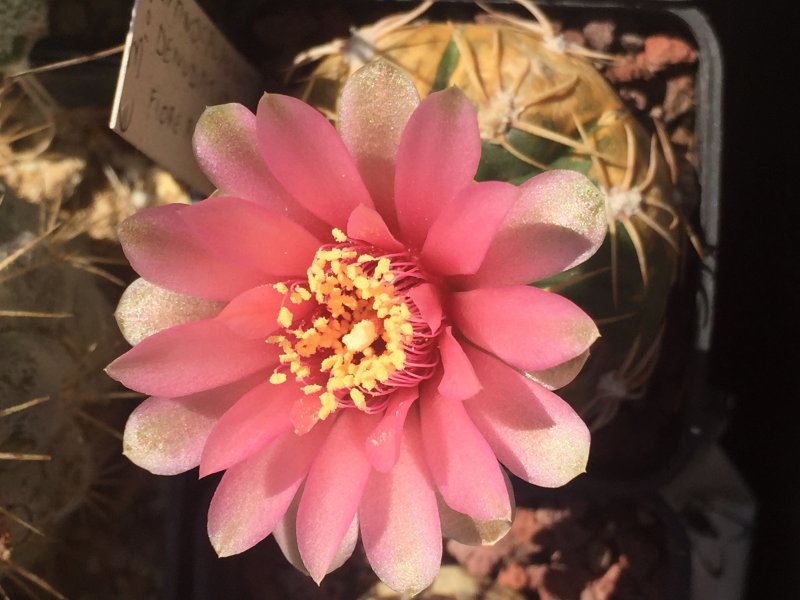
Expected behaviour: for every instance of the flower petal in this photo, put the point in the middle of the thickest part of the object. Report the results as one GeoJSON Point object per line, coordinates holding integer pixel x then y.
{"type": "Point", "coordinates": [310, 160]}
{"type": "Point", "coordinates": [164, 250]}
{"type": "Point", "coordinates": [248, 234]}
{"type": "Point", "coordinates": [426, 298]}
{"type": "Point", "coordinates": [527, 327]}
{"type": "Point", "coordinates": [374, 107]}
{"type": "Point", "coordinates": [190, 358]}
{"type": "Point", "coordinates": [438, 155]}
{"type": "Point", "coordinates": [286, 535]}
{"type": "Point", "coordinates": [254, 421]}
{"type": "Point", "coordinates": [460, 236]}
{"type": "Point", "coordinates": [166, 435]}
{"type": "Point", "coordinates": [462, 463]}
{"type": "Point", "coordinates": [400, 520]}
{"type": "Point", "coordinates": [558, 222]}
{"type": "Point", "coordinates": [383, 444]}
{"type": "Point", "coordinates": [254, 314]}
{"type": "Point", "coordinates": [226, 148]}
{"type": "Point", "coordinates": [466, 530]}
{"type": "Point", "coordinates": [458, 379]}
{"type": "Point", "coordinates": [145, 309]}
{"type": "Point", "coordinates": [366, 225]}
{"type": "Point", "coordinates": [254, 495]}
{"type": "Point", "coordinates": [533, 432]}
{"type": "Point", "coordinates": [560, 375]}
{"type": "Point", "coordinates": [333, 491]}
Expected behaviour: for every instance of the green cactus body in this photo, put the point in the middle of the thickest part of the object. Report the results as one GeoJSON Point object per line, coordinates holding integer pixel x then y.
{"type": "Point", "coordinates": [540, 107]}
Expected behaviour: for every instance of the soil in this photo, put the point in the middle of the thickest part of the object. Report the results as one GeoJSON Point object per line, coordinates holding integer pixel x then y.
{"type": "Point", "coordinates": [579, 550]}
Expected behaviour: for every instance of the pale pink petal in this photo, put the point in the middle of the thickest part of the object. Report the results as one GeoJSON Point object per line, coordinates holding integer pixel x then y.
{"type": "Point", "coordinates": [310, 160]}
{"type": "Point", "coordinates": [374, 106]}
{"type": "Point", "coordinates": [474, 532]}
{"type": "Point", "coordinates": [248, 234]}
{"type": "Point", "coordinates": [226, 148]}
{"type": "Point", "coordinates": [383, 444]}
{"type": "Point", "coordinates": [366, 225]}
{"type": "Point", "coordinates": [458, 378]}
{"type": "Point", "coordinates": [560, 375]}
{"type": "Point", "coordinates": [146, 308]}
{"type": "Point", "coordinates": [254, 421]}
{"type": "Point", "coordinates": [426, 297]}
{"type": "Point", "coordinates": [166, 435]}
{"type": "Point", "coordinates": [190, 358]}
{"type": "Point", "coordinates": [438, 155]}
{"type": "Point", "coordinates": [399, 519]}
{"type": "Point", "coordinates": [285, 534]}
{"type": "Point", "coordinates": [347, 545]}
{"type": "Point", "coordinates": [533, 432]}
{"type": "Point", "coordinates": [254, 495]}
{"type": "Point", "coordinates": [558, 222]}
{"type": "Point", "coordinates": [254, 314]}
{"type": "Point", "coordinates": [460, 236]}
{"type": "Point", "coordinates": [462, 463]}
{"type": "Point", "coordinates": [333, 491]}
{"type": "Point", "coordinates": [527, 327]}
{"type": "Point", "coordinates": [164, 250]}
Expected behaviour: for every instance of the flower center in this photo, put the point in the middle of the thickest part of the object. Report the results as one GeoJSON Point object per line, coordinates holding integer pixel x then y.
{"type": "Point", "coordinates": [364, 336]}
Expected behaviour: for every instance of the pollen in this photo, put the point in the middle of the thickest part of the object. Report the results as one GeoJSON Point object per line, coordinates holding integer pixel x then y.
{"type": "Point", "coordinates": [354, 339]}
{"type": "Point", "coordinates": [277, 378]}
{"type": "Point", "coordinates": [299, 294]}
{"type": "Point", "coordinates": [285, 316]}
{"type": "Point", "coordinates": [358, 398]}
{"type": "Point", "coordinates": [361, 336]}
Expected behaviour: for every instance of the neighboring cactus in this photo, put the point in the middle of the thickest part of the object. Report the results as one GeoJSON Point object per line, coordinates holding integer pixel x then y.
{"type": "Point", "coordinates": [59, 263]}
{"type": "Point", "coordinates": [26, 110]}
{"type": "Point", "coordinates": [22, 23]}
{"type": "Point", "coordinates": [27, 123]}
{"type": "Point", "coordinates": [542, 105]}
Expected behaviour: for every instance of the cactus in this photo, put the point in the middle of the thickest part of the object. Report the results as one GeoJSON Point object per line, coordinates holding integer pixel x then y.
{"type": "Point", "coordinates": [22, 23]}
{"type": "Point", "coordinates": [27, 125]}
{"type": "Point", "coordinates": [60, 278]}
{"type": "Point", "coordinates": [541, 105]}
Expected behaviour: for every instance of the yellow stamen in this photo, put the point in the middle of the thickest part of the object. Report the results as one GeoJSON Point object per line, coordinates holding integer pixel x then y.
{"type": "Point", "coordinates": [285, 316]}
{"type": "Point", "coordinates": [328, 401]}
{"type": "Point", "coordinates": [277, 378]}
{"type": "Point", "coordinates": [339, 235]}
{"type": "Point", "coordinates": [360, 335]}
{"type": "Point", "coordinates": [358, 398]}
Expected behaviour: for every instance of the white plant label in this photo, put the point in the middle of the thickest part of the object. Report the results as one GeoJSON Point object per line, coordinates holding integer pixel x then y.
{"type": "Point", "coordinates": [176, 62]}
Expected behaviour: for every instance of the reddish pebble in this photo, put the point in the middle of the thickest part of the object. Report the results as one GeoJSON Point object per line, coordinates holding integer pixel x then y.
{"type": "Point", "coordinates": [513, 576]}
{"type": "Point", "coordinates": [660, 51]}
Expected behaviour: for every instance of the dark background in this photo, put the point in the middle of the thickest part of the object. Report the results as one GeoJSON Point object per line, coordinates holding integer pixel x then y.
{"type": "Point", "coordinates": [753, 353]}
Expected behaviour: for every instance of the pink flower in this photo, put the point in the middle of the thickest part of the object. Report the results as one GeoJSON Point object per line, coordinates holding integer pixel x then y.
{"type": "Point", "coordinates": [370, 379]}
